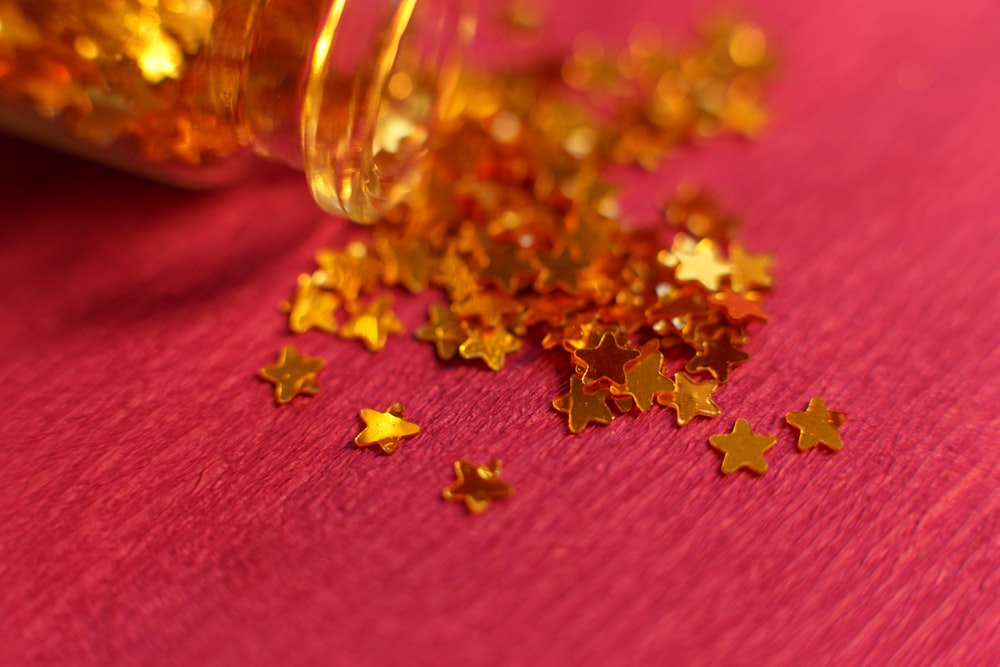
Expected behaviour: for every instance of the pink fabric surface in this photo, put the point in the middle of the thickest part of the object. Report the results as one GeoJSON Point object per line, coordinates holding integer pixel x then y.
{"type": "Point", "coordinates": [156, 508]}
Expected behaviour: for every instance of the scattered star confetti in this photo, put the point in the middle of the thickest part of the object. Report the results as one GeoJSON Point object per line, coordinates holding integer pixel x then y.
{"type": "Point", "coordinates": [385, 429]}
{"type": "Point", "coordinates": [742, 448]}
{"type": "Point", "coordinates": [477, 485]}
{"type": "Point", "coordinates": [817, 425]}
{"type": "Point", "coordinates": [583, 407]}
{"type": "Point", "coordinates": [372, 323]}
{"type": "Point", "coordinates": [292, 375]}
{"type": "Point", "coordinates": [690, 398]}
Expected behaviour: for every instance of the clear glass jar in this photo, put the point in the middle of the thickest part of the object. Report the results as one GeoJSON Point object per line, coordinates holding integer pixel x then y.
{"type": "Point", "coordinates": [187, 90]}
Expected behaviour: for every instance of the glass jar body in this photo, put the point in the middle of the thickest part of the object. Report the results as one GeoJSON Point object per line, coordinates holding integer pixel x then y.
{"type": "Point", "coordinates": [187, 90]}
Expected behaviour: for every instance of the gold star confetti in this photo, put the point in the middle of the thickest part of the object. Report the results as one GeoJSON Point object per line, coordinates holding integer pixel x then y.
{"type": "Point", "coordinates": [817, 425]}
{"type": "Point", "coordinates": [491, 346]}
{"type": "Point", "coordinates": [477, 485]}
{"type": "Point", "coordinates": [690, 398]}
{"type": "Point", "coordinates": [312, 307]}
{"type": "Point", "coordinates": [701, 263]}
{"type": "Point", "coordinates": [584, 407]}
{"type": "Point", "coordinates": [372, 324]}
{"type": "Point", "coordinates": [644, 380]}
{"type": "Point", "coordinates": [748, 270]}
{"type": "Point", "coordinates": [606, 360]}
{"type": "Point", "coordinates": [742, 448]}
{"type": "Point", "coordinates": [292, 375]}
{"type": "Point", "coordinates": [444, 330]}
{"type": "Point", "coordinates": [385, 429]}
{"type": "Point", "coordinates": [717, 356]}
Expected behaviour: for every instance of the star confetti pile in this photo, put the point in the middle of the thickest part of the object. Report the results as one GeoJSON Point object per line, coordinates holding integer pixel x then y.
{"type": "Point", "coordinates": [519, 227]}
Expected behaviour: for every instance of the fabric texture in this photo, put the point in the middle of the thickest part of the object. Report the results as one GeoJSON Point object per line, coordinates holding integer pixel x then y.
{"type": "Point", "coordinates": [157, 508]}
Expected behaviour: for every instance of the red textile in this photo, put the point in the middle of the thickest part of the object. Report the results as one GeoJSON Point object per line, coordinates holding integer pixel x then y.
{"type": "Point", "coordinates": [156, 508]}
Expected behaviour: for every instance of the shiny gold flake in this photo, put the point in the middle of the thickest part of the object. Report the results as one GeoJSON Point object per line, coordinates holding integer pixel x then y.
{"type": "Point", "coordinates": [817, 425]}
{"type": "Point", "coordinates": [742, 448]}
{"type": "Point", "coordinates": [385, 429]}
{"type": "Point", "coordinates": [477, 485]}
{"type": "Point", "coordinates": [292, 375]}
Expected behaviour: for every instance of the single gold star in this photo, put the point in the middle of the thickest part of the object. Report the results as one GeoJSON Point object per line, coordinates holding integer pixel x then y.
{"type": "Point", "coordinates": [477, 485]}
{"type": "Point", "coordinates": [372, 324]}
{"type": "Point", "coordinates": [444, 330]}
{"type": "Point", "coordinates": [717, 356]}
{"type": "Point", "coordinates": [605, 361]}
{"type": "Point", "coordinates": [742, 448]}
{"type": "Point", "coordinates": [644, 380]}
{"type": "Point", "coordinates": [491, 346]}
{"type": "Point", "coordinates": [312, 307]}
{"type": "Point", "coordinates": [690, 398]}
{"type": "Point", "coordinates": [583, 407]}
{"type": "Point", "coordinates": [292, 375]}
{"type": "Point", "coordinates": [702, 264]}
{"type": "Point", "coordinates": [817, 425]}
{"type": "Point", "coordinates": [747, 270]}
{"type": "Point", "coordinates": [385, 429]}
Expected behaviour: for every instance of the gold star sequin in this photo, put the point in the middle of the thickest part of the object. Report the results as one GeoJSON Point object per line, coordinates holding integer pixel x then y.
{"type": "Point", "coordinates": [444, 330]}
{"type": "Point", "coordinates": [702, 264]}
{"type": "Point", "coordinates": [742, 448]}
{"type": "Point", "coordinates": [606, 361]}
{"type": "Point", "coordinates": [312, 307]}
{"type": "Point", "coordinates": [644, 380]}
{"type": "Point", "coordinates": [584, 407]}
{"type": "Point", "coordinates": [477, 485]}
{"type": "Point", "coordinates": [748, 270]}
{"type": "Point", "coordinates": [385, 429]}
{"type": "Point", "coordinates": [372, 324]}
{"type": "Point", "coordinates": [717, 356]}
{"type": "Point", "coordinates": [292, 375]}
{"type": "Point", "coordinates": [817, 425]}
{"type": "Point", "coordinates": [491, 346]}
{"type": "Point", "coordinates": [690, 398]}
{"type": "Point", "coordinates": [738, 306]}
{"type": "Point", "coordinates": [562, 270]}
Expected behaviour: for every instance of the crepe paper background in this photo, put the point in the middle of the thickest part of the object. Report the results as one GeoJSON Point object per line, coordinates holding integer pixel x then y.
{"type": "Point", "coordinates": [156, 508]}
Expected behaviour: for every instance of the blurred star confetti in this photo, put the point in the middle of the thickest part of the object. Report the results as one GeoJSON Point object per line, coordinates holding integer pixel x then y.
{"type": "Point", "coordinates": [292, 375]}
{"type": "Point", "coordinates": [385, 429]}
{"type": "Point", "coordinates": [817, 425]}
{"type": "Point", "coordinates": [477, 485]}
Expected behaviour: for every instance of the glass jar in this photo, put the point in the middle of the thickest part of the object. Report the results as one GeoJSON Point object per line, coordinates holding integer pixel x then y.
{"type": "Point", "coordinates": [187, 90]}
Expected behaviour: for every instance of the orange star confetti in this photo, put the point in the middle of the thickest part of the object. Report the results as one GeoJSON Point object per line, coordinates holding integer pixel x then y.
{"type": "Point", "coordinates": [717, 356]}
{"type": "Point", "coordinates": [312, 307]}
{"type": "Point", "coordinates": [477, 485]}
{"type": "Point", "coordinates": [606, 360]}
{"type": "Point", "coordinates": [817, 425]}
{"type": "Point", "coordinates": [292, 375]}
{"type": "Point", "coordinates": [748, 270]}
{"type": "Point", "coordinates": [584, 407]}
{"type": "Point", "coordinates": [492, 346]}
{"type": "Point", "coordinates": [372, 324]}
{"type": "Point", "coordinates": [690, 398]}
{"type": "Point", "coordinates": [444, 330]}
{"type": "Point", "coordinates": [385, 429]}
{"type": "Point", "coordinates": [644, 380]}
{"type": "Point", "coordinates": [742, 448]}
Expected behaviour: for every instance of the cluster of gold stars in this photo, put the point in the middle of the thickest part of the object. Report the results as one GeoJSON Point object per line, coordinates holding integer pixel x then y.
{"type": "Point", "coordinates": [519, 229]}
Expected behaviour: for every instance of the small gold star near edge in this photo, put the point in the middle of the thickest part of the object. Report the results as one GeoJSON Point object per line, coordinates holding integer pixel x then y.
{"type": "Point", "coordinates": [583, 407]}
{"type": "Point", "coordinates": [385, 429]}
{"type": "Point", "coordinates": [817, 426]}
{"type": "Point", "coordinates": [372, 324]}
{"type": "Point", "coordinates": [477, 485]}
{"type": "Point", "coordinates": [690, 399]}
{"type": "Point", "coordinates": [292, 375]}
{"type": "Point", "coordinates": [742, 448]}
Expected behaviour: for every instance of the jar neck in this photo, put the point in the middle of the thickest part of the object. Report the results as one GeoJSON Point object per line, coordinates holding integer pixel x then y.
{"type": "Point", "coordinates": [349, 90]}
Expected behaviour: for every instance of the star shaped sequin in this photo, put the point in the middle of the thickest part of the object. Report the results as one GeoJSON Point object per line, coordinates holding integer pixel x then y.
{"type": "Point", "coordinates": [690, 399]}
{"type": "Point", "coordinates": [747, 270]}
{"type": "Point", "coordinates": [385, 429]}
{"type": "Point", "coordinates": [817, 425]}
{"type": "Point", "coordinates": [444, 330]}
{"type": "Point", "coordinates": [717, 356]}
{"type": "Point", "coordinates": [562, 270]}
{"type": "Point", "coordinates": [644, 380]}
{"type": "Point", "coordinates": [312, 307]}
{"type": "Point", "coordinates": [491, 345]}
{"type": "Point", "coordinates": [583, 407]}
{"type": "Point", "coordinates": [742, 448]}
{"type": "Point", "coordinates": [702, 264]}
{"type": "Point", "coordinates": [292, 375]}
{"type": "Point", "coordinates": [372, 324]}
{"type": "Point", "coordinates": [477, 485]}
{"type": "Point", "coordinates": [605, 361]}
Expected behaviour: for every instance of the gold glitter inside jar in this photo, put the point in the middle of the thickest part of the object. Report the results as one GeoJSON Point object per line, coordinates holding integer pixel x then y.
{"type": "Point", "coordinates": [186, 90]}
